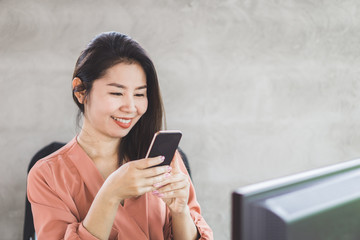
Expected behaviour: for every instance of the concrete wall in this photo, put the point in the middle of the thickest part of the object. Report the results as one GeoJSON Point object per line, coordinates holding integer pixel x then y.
{"type": "Point", "coordinates": [260, 88]}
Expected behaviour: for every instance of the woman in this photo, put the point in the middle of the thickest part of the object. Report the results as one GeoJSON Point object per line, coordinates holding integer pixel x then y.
{"type": "Point", "coordinates": [98, 186]}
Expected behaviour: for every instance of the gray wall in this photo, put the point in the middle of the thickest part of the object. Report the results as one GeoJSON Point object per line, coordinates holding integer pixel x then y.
{"type": "Point", "coordinates": [260, 88]}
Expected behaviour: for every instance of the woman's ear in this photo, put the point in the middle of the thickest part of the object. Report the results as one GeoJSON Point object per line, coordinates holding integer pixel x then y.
{"type": "Point", "coordinates": [80, 95]}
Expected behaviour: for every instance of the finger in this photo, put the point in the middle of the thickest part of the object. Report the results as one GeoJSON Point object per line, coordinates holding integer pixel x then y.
{"type": "Point", "coordinates": [175, 190]}
{"type": "Point", "coordinates": [173, 187]}
{"type": "Point", "coordinates": [154, 181]}
{"type": "Point", "coordinates": [155, 171]}
{"type": "Point", "coordinates": [169, 195]}
{"type": "Point", "coordinates": [146, 189]}
{"type": "Point", "coordinates": [171, 179]}
{"type": "Point", "coordinates": [149, 162]}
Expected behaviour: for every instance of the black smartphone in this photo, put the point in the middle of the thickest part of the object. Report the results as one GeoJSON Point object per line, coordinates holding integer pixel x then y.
{"type": "Point", "coordinates": [164, 143]}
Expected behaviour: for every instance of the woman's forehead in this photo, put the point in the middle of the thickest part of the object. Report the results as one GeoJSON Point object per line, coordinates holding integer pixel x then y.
{"type": "Point", "coordinates": [124, 75]}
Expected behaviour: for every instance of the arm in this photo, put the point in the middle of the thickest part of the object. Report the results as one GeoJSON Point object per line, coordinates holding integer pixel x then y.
{"type": "Point", "coordinates": [57, 218]}
{"type": "Point", "coordinates": [130, 180]}
{"type": "Point", "coordinates": [183, 226]}
{"type": "Point", "coordinates": [54, 216]}
{"type": "Point", "coordinates": [179, 194]}
{"type": "Point", "coordinates": [101, 215]}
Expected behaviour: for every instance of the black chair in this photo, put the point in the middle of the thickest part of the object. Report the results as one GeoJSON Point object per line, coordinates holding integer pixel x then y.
{"type": "Point", "coordinates": [29, 230]}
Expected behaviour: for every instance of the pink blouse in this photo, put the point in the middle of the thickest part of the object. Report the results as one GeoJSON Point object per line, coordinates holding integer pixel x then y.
{"type": "Point", "coordinates": [62, 186]}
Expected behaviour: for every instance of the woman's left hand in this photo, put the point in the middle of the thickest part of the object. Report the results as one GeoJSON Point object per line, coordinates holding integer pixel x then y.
{"type": "Point", "coordinates": [175, 189]}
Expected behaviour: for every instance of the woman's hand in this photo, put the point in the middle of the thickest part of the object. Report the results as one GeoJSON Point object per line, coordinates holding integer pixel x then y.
{"type": "Point", "coordinates": [130, 180]}
{"type": "Point", "coordinates": [136, 178]}
{"type": "Point", "coordinates": [174, 190]}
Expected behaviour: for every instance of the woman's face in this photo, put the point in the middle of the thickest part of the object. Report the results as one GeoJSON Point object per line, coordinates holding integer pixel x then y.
{"type": "Point", "coordinates": [117, 100]}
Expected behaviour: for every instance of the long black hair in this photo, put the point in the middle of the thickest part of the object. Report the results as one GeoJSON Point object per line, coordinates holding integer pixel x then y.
{"type": "Point", "coordinates": [104, 51]}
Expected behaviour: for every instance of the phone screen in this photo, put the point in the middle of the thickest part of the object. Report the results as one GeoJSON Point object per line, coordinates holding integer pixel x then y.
{"type": "Point", "coordinates": [164, 143]}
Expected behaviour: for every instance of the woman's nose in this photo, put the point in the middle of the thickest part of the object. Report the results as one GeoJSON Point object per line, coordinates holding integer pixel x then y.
{"type": "Point", "coordinates": [128, 104]}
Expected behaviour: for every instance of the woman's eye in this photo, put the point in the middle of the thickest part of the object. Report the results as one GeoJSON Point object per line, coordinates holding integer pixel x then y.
{"type": "Point", "coordinates": [116, 93]}
{"type": "Point", "coordinates": [140, 95]}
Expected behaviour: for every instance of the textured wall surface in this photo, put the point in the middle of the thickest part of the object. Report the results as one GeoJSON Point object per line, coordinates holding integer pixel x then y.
{"type": "Point", "coordinates": [260, 88]}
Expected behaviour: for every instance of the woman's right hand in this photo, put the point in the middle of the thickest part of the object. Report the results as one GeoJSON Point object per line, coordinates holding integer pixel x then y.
{"type": "Point", "coordinates": [136, 178]}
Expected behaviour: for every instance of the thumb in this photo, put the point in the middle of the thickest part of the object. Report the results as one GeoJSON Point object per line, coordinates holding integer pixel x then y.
{"type": "Point", "coordinates": [175, 164]}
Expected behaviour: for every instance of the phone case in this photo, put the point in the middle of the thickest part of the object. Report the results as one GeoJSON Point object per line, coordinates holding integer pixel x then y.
{"type": "Point", "coordinates": [164, 143]}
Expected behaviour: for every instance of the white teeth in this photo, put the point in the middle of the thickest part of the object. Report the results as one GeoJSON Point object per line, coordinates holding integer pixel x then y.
{"type": "Point", "coordinates": [121, 120]}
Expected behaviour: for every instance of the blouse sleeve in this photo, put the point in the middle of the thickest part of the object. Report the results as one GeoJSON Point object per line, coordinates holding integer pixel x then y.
{"type": "Point", "coordinates": [195, 211]}
{"type": "Point", "coordinates": [53, 218]}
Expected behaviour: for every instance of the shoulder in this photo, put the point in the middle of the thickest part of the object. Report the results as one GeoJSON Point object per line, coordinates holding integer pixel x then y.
{"type": "Point", "coordinates": [54, 160]}
{"type": "Point", "coordinates": [53, 168]}
{"type": "Point", "coordinates": [45, 151]}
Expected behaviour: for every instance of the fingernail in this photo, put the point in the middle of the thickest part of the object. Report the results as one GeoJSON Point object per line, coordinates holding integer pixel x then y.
{"type": "Point", "coordinates": [162, 158]}
{"type": "Point", "coordinates": [160, 195]}
{"type": "Point", "coordinates": [167, 175]}
{"type": "Point", "coordinates": [169, 169]}
{"type": "Point", "coordinates": [157, 185]}
{"type": "Point", "coordinates": [155, 192]}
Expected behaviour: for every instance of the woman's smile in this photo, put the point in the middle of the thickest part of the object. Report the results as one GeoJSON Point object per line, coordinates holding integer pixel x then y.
{"type": "Point", "coordinates": [122, 122]}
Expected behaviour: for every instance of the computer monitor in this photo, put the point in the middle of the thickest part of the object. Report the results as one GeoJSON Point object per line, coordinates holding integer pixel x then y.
{"type": "Point", "coordinates": [321, 204]}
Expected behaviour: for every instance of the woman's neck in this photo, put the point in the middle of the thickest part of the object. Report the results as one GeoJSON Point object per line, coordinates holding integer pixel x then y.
{"type": "Point", "coordinates": [104, 153]}
{"type": "Point", "coordinates": [98, 147]}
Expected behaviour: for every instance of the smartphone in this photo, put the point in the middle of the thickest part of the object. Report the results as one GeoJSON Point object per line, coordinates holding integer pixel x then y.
{"type": "Point", "coordinates": [164, 143]}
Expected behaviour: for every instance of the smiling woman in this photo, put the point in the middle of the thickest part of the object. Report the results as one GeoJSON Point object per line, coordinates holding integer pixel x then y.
{"type": "Point", "coordinates": [93, 188]}
{"type": "Point", "coordinates": [118, 99]}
